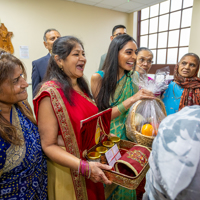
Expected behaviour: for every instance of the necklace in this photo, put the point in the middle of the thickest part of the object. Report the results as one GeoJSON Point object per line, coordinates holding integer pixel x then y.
{"type": "Point", "coordinates": [74, 84]}
{"type": "Point", "coordinates": [174, 93]}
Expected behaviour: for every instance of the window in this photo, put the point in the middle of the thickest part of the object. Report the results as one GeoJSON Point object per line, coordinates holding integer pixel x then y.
{"type": "Point", "coordinates": [165, 29]}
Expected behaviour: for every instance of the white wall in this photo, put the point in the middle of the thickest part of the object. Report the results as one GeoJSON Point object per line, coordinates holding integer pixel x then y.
{"type": "Point", "coordinates": [28, 19]}
{"type": "Point", "coordinates": [195, 29]}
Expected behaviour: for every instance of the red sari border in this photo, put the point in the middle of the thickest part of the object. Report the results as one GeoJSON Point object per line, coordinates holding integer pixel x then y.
{"type": "Point", "coordinates": [67, 132]}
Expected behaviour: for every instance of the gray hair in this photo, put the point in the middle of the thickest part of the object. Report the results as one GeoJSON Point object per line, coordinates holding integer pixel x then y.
{"type": "Point", "coordinates": [143, 49]}
{"type": "Point", "coordinates": [47, 31]}
{"type": "Point", "coordinates": [191, 54]}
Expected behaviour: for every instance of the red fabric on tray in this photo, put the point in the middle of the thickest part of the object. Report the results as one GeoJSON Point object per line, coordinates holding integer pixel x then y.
{"type": "Point", "coordinates": [89, 125]}
{"type": "Point", "coordinates": [133, 161]}
{"type": "Point", "coordinates": [122, 151]}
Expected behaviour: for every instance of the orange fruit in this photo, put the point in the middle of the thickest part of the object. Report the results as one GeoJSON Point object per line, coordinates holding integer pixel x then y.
{"type": "Point", "coordinates": [147, 129]}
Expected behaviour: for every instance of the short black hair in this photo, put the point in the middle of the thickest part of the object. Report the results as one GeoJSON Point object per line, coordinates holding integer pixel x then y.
{"type": "Point", "coordinates": [116, 27]}
{"type": "Point", "coordinates": [47, 31]}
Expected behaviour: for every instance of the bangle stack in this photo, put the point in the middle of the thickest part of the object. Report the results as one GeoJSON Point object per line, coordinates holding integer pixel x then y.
{"type": "Point", "coordinates": [84, 169]}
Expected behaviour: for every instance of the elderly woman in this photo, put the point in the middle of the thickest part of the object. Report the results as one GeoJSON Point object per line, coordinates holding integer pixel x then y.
{"type": "Point", "coordinates": [61, 103]}
{"type": "Point", "coordinates": [175, 158]}
{"type": "Point", "coordinates": [23, 167]}
{"type": "Point", "coordinates": [185, 88]}
{"type": "Point", "coordinates": [144, 60]}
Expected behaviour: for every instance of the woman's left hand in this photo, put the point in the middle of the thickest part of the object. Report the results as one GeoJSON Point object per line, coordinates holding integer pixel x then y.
{"type": "Point", "coordinates": [97, 174]}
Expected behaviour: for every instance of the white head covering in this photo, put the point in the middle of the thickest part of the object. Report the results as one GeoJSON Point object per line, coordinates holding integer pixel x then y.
{"type": "Point", "coordinates": [175, 158]}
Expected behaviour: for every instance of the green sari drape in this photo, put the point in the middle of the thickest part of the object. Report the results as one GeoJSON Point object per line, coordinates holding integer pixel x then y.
{"type": "Point", "coordinates": [125, 89]}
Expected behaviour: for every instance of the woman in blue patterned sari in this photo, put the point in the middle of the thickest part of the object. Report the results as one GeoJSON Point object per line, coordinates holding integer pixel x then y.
{"type": "Point", "coordinates": [23, 168]}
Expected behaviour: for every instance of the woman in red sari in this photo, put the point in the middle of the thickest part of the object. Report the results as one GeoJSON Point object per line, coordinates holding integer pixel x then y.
{"type": "Point", "coordinates": [62, 101]}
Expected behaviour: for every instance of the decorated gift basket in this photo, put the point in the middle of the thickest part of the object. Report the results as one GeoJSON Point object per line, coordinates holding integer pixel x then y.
{"type": "Point", "coordinates": [130, 168]}
{"type": "Point", "coordinates": [145, 115]}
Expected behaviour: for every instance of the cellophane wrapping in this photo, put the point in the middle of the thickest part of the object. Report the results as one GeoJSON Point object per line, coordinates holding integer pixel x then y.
{"type": "Point", "coordinates": [148, 113]}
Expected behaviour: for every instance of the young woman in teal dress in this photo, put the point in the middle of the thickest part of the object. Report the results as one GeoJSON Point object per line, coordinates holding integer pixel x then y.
{"type": "Point", "coordinates": [184, 90]}
{"type": "Point", "coordinates": [113, 87]}
{"type": "Point", "coordinates": [23, 167]}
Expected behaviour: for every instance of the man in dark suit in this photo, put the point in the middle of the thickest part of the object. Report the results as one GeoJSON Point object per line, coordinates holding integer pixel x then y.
{"type": "Point", "coordinates": [40, 66]}
{"type": "Point", "coordinates": [117, 30]}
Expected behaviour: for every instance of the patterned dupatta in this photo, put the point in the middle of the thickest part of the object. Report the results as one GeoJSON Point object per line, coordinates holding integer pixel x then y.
{"type": "Point", "coordinates": [68, 118]}
{"type": "Point", "coordinates": [125, 89]}
{"type": "Point", "coordinates": [24, 172]}
{"type": "Point", "coordinates": [191, 92]}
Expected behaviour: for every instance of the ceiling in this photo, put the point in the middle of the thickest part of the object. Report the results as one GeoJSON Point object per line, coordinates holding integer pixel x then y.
{"type": "Point", "coordinates": [127, 6]}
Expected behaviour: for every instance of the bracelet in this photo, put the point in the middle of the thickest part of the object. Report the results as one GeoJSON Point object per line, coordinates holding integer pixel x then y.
{"type": "Point", "coordinates": [83, 166]}
{"type": "Point", "coordinates": [121, 108]}
{"type": "Point", "coordinates": [79, 166]}
{"type": "Point", "coordinates": [84, 169]}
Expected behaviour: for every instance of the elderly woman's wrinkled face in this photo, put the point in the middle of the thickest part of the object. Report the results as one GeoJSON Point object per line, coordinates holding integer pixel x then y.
{"type": "Point", "coordinates": [188, 66]}
{"type": "Point", "coordinates": [14, 90]}
{"type": "Point", "coordinates": [144, 61]}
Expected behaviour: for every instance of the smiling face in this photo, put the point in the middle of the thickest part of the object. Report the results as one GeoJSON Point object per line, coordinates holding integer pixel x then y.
{"type": "Point", "coordinates": [188, 66]}
{"type": "Point", "coordinates": [144, 61]}
{"type": "Point", "coordinates": [14, 90]}
{"type": "Point", "coordinates": [127, 56]}
{"type": "Point", "coordinates": [75, 62]}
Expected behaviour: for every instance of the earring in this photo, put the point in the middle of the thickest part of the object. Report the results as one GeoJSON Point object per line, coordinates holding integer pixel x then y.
{"type": "Point", "coordinates": [61, 67]}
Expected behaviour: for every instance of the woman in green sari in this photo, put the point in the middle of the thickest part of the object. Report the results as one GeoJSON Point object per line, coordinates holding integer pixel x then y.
{"type": "Point", "coordinates": [113, 87]}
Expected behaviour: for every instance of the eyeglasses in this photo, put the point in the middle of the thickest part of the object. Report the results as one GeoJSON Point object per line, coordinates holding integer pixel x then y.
{"type": "Point", "coordinates": [142, 61]}
{"type": "Point", "coordinates": [119, 34]}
